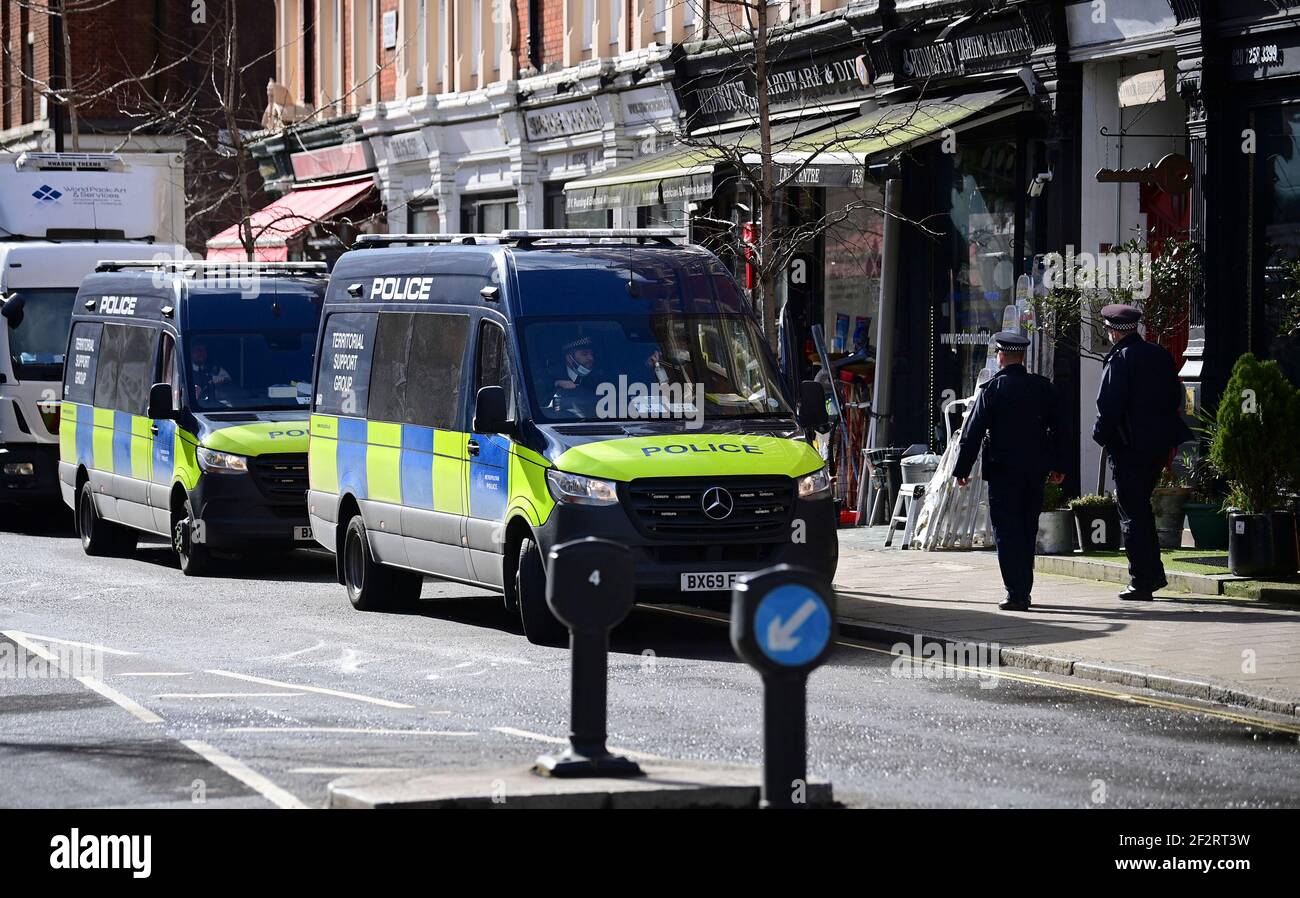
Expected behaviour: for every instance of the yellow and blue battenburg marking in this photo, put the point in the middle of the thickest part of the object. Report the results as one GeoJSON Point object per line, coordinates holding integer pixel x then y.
{"type": "Point", "coordinates": [124, 444]}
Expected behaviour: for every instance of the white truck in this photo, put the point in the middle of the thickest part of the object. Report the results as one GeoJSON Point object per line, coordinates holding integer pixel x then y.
{"type": "Point", "coordinates": [60, 214]}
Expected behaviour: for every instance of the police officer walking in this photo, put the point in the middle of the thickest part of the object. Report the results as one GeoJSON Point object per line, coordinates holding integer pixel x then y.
{"type": "Point", "coordinates": [1017, 421]}
{"type": "Point", "coordinates": [1138, 424]}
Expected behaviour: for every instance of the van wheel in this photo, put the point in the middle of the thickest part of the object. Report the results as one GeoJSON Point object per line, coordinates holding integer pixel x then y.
{"type": "Point", "coordinates": [98, 536]}
{"type": "Point", "coordinates": [540, 625]}
{"type": "Point", "coordinates": [195, 559]}
{"type": "Point", "coordinates": [373, 586]}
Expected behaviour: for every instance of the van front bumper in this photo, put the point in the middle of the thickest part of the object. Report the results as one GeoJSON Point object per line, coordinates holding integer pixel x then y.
{"type": "Point", "coordinates": [29, 472]}
{"type": "Point", "coordinates": [236, 513]}
{"type": "Point", "coordinates": [659, 563]}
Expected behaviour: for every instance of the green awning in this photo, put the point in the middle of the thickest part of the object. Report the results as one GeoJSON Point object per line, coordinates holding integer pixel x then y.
{"type": "Point", "coordinates": [856, 140]}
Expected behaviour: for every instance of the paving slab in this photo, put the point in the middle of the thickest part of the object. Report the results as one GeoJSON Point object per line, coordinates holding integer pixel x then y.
{"type": "Point", "coordinates": [667, 786]}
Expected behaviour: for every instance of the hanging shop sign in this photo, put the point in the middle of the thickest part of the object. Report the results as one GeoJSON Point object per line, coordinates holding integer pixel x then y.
{"type": "Point", "coordinates": [1142, 88]}
{"type": "Point", "coordinates": [563, 121]}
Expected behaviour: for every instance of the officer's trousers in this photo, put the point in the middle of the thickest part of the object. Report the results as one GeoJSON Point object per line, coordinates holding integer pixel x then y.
{"type": "Point", "coordinates": [1135, 478]}
{"type": "Point", "coordinates": [1015, 500]}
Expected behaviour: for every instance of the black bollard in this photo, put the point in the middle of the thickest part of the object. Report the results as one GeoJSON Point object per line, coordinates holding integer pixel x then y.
{"type": "Point", "coordinates": [589, 588]}
{"type": "Point", "coordinates": [783, 625]}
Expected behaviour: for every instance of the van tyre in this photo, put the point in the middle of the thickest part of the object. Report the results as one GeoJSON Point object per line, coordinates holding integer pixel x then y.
{"type": "Point", "coordinates": [195, 559]}
{"type": "Point", "coordinates": [98, 536]}
{"type": "Point", "coordinates": [373, 586]}
{"type": "Point", "coordinates": [540, 625]}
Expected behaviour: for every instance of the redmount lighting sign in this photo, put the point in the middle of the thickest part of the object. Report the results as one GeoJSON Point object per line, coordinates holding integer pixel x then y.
{"type": "Point", "coordinates": [969, 53]}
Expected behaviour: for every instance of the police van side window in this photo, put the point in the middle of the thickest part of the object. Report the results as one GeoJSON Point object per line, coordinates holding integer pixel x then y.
{"type": "Point", "coordinates": [343, 375]}
{"type": "Point", "coordinates": [494, 362]}
{"type": "Point", "coordinates": [82, 362]}
{"type": "Point", "coordinates": [167, 367]}
{"type": "Point", "coordinates": [110, 354]}
{"type": "Point", "coordinates": [133, 371]}
{"type": "Point", "coordinates": [417, 372]}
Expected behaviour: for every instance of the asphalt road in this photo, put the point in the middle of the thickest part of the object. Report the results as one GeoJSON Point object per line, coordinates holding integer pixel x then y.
{"type": "Point", "coordinates": [258, 686]}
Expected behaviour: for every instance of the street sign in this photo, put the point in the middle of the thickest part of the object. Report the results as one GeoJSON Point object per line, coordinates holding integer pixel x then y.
{"type": "Point", "coordinates": [589, 589]}
{"type": "Point", "coordinates": [783, 624]}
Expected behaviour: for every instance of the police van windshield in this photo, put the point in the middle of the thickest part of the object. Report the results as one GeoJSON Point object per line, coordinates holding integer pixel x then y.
{"type": "Point", "coordinates": [649, 366]}
{"type": "Point", "coordinates": [261, 371]}
{"type": "Point", "coordinates": [36, 346]}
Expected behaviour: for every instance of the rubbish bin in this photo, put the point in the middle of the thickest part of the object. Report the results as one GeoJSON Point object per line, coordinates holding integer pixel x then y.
{"type": "Point", "coordinates": [886, 477]}
{"type": "Point", "coordinates": [919, 468]}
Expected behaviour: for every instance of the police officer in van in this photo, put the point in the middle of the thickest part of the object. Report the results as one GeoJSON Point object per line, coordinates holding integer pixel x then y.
{"type": "Point", "coordinates": [1016, 420]}
{"type": "Point", "coordinates": [1138, 424]}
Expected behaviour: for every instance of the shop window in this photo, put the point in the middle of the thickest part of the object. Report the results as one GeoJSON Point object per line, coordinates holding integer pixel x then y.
{"type": "Point", "coordinates": [489, 215]}
{"type": "Point", "coordinates": [1275, 232]}
{"type": "Point", "coordinates": [422, 219]}
{"type": "Point", "coordinates": [854, 229]}
{"type": "Point", "coordinates": [555, 216]}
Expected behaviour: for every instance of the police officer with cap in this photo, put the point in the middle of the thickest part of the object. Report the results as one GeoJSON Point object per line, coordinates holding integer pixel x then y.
{"type": "Point", "coordinates": [1138, 424]}
{"type": "Point", "coordinates": [1016, 419]}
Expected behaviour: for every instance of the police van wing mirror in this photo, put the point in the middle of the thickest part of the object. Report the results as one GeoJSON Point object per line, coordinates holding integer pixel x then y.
{"type": "Point", "coordinates": [12, 310]}
{"type": "Point", "coordinates": [160, 402]}
{"type": "Point", "coordinates": [812, 406]}
{"type": "Point", "coordinates": [490, 411]}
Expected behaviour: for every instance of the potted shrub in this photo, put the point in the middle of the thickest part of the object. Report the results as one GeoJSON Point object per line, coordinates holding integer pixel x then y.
{"type": "Point", "coordinates": [1054, 537]}
{"type": "Point", "coordinates": [1255, 447]}
{"type": "Point", "coordinates": [1167, 502]}
{"type": "Point", "coordinates": [1096, 521]}
{"type": "Point", "coordinates": [1204, 510]}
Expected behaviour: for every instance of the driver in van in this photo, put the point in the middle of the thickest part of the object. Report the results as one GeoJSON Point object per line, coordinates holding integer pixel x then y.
{"type": "Point", "coordinates": [203, 374]}
{"type": "Point", "coordinates": [579, 365]}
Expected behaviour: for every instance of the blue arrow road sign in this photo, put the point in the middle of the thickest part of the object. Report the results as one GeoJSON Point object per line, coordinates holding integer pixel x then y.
{"type": "Point", "coordinates": [792, 625]}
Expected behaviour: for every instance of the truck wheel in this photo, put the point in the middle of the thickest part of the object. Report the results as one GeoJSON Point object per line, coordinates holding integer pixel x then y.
{"type": "Point", "coordinates": [540, 625]}
{"type": "Point", "coordinates": [373, 586]}
{"type": "Point", "coordinates": [98, 536]}
{"type": "Point", "coordinates": [195, 559]}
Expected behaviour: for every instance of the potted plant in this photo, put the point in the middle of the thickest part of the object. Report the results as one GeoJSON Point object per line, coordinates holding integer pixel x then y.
{"type": "Point", "coordinates": [1255, 447]}
{"type": "Point", "coordinates": [1204, 510]}
{"type": "Point", "coordinates": [1096, 521]}
{"type": "Point", "coordinates": [1167, 502]}
{"type": "Point", "coordinates": [1054, 537]}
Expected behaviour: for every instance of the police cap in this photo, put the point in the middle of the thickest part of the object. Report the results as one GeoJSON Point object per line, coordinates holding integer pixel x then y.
{"type": "Point", "coordinates": [1121, 317]}
{"type": "Point", "coordinates": [1010, 341]}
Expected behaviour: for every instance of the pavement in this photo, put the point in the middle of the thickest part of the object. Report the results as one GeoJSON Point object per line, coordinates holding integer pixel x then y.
{"type": "Point", "coordinates": [1200, 646]}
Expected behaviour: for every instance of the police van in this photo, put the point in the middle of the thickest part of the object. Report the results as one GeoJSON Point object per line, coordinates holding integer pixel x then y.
{"type": "Point", "coordinates": [480, 399]}
{"type": "Point", "coordinates": [186, 392]}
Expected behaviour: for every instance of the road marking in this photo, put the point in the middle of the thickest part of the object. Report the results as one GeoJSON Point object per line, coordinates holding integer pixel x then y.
{"type": "Point", "coordinates": [226, 694]}
{"type": "Point", "coordinates": [558, 740]}
{"type": "Point", "coordinates": [341, 771]}
{"type": "Point", "coordinates": [153, 673]}
{"type": "Point", "coordinates": [352, 730]}
{"type": "Point", "coordinates": [245, 774]}
{"type": "Point", "coordinates": [1003, 673]}
{"type": "Point", "coordinates": [84, 645]}
{"type": "Point", "coordinates": [139, 711]}
{"type": "Point", "coordinates": [319, 690]}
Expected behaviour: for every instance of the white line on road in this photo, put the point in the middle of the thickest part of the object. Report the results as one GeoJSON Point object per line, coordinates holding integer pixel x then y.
{"type": "Point", "coordinates": [135, 708]}
{"type": "Point", "coordinates": [383, 702]}
{"type": "Point", "coordinates": [19, 638]}
{"type": "Point", "coordinates": [226, 694]}
{"type": "Point", "coordinates": [343, 771]}
{"type": "Point", "coordinates": [353, 730]}
{"type": "Point", "coordinates": [84, 645]}
{"type": "Point", "coordinates": [154, 673]}
{"type": "Point", "coordinates": [556, 740]}
{"type": "Point", "coordinates": [245, 774]}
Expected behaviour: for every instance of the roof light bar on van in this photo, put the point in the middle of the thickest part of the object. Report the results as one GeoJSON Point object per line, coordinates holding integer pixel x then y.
{"type": "Point", "coordinates": [202, 268]}
{"type": "Point", "coordinates": [69, 162]}
{"type": "Point", "coordinates": [659, 235]}
{"type": "Point", "coordinates": [374, 241]}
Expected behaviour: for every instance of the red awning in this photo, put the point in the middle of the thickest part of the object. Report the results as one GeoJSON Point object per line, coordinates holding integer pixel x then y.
{"type": "Point", "coordinates": [286, 218]}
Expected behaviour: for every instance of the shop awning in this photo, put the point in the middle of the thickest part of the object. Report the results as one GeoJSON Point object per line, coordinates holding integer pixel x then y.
{"type": "Point", "coordinates": [858, 139]}
{"type": "Point", "coordinates": [275, 225]}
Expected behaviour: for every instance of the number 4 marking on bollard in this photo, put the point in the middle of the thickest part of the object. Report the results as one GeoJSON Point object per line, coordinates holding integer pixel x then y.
{"type": "Point", "coordinates": [594, 579]}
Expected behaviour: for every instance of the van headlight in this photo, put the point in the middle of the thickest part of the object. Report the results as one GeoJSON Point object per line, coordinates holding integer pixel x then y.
{"type": "Point", "coordinates": [578, 490]}
{"type": "Point", "coordinates": [221, 462]}
{"type": "Point", "coordinates": [816, 485]}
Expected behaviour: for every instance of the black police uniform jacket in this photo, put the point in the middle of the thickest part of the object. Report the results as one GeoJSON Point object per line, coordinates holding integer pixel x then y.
{"type": "Point", "coordinates": [1138, 401]}
{"type": "Point", "coordinates": [1017, 421]}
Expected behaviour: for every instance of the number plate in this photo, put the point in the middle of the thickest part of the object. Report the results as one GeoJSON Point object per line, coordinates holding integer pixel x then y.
{"type": "Point", "coordinates": [711, 582]}
{"type": "Point", "coordinates": [302, 534]}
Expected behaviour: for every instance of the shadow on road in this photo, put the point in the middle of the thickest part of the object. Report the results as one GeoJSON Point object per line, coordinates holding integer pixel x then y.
{"type": "Point", "coordinates": [297, 565]}
{"type": "Point", "coordinates": [53, 519]}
